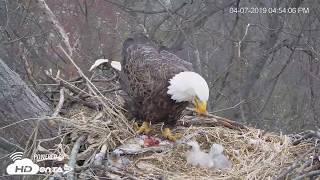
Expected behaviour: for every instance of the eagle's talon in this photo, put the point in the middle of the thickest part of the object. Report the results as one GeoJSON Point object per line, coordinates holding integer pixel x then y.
{"type": "Point", "coordinates": [168, 134]}
{"type": "Point", "coordinates": [136, 126]}
{"type": "Point", "coordinates": [144, 128]}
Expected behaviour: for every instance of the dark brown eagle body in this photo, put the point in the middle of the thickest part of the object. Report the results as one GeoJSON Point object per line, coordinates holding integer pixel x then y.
{"type": "Point", "coordinates": [145, 76]}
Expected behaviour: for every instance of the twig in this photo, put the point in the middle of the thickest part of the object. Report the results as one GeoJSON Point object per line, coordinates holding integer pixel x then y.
{"type": "Point", "coordinates": [232, 107]}
{"type": "Point", "coordinates": [102, 91]}
{"type": "Point", "coordinates": [111, 90]}
{"type": "Point", "coordinates": [309, 174]}
{"type": "Point", "coordinates": [79, 70]}
{"type": "Point", "coordinates": [234, 123]}
{"type": "Point", "coordinates": [122, 173]}
{"type": "Point", "coordinates": [52, 20]}
{"type": "Point", "coordinates": [75, 79]}
{"type": "Point", "coordinates": [240, 42]}
{"type": "Point", "coordinates": [307, 134]}
{"type": "Point", "coordinates": [164, 19]}
{"type": "Point", "coordinates": [296, 163]}
{"type": "Point", "coordinates": [128, 9]}
{"type": "Point", "coordinates": [305, 165]}
{"type": "Point", "coordinates": [92, 105]}
{"type": "Point", "coordinates": [205, 121]}
{"type": "Point", "coordinates": [112, 170]}
{"type": "Point", "coordinates": [79, 79]}
{"type": "Point", "coordinates": [9, 146]}
{"type": "Point", "coordinates": [154, 149]}
{"type": "Point", "coordinates": [73, 157]}
{"type": "Point", "coordinates": [74, 89]}
{"type": "Point", "coordinates": [93, 88]}
{"type": "Point", "coordinates": [60, 104]}
{"type": "Point", "coordinates": [63, 83]}
{"type": "Point", "coordinates": [115, 76]}
{"type": "Point", "coordinates": [101, 155]}
{"type": "Point", "coordinates": [209, 119]}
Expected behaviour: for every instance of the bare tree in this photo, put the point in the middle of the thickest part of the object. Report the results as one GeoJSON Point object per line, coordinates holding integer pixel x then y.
{"type": "Point", "coordinates": [264, 62]}
{"type": "Point", "coordinates": [22, 112]}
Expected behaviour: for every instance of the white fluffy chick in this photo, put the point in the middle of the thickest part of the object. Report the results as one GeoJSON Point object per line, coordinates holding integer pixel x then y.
{"type": "Point", "coordinates": [220, 161]}
{"type": "Point", "coordinates": [196, 157]}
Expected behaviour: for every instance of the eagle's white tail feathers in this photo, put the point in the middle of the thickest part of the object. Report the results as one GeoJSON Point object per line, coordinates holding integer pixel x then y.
{"type": "Point", "coordinates": [114, 64]}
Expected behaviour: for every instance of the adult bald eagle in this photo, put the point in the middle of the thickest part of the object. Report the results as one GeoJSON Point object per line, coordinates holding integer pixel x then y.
{"type": "Point", "coordinates": [159, 84]}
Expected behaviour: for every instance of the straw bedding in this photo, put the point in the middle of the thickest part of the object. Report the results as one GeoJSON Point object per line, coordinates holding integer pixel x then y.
{"type": "Point", "coordinates": [255, 154]}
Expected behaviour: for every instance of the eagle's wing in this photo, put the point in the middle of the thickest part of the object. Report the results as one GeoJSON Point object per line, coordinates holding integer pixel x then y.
{"type": "Point", "coordinates": [148, 71]}
{"type": "Point", "coordinates": [145, 76]}
{"type": "Point", "coordinates": [176, 60]}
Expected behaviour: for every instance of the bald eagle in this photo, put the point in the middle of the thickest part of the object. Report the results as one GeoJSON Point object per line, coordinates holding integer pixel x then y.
{"type": "Point", "coordinates": [159, 85]}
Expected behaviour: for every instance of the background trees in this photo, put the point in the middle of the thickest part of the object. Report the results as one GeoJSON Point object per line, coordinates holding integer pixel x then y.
{"type": "Point", "coordinates": [263, 65]}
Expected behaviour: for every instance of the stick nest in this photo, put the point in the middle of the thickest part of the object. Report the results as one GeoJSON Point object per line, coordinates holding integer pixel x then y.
{"type": "Point", "coordinates": [255, 154]}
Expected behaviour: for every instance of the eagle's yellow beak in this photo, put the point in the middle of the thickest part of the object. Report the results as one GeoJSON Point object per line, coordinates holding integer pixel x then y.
{"type": "Point", "coordinates": [201, 107]}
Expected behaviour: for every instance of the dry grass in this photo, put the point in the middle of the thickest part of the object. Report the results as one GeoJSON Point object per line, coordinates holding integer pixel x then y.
{"type": "Point", "coordinates": [109, 127]}
{"type": "Point", "coordinates": [254, 154]}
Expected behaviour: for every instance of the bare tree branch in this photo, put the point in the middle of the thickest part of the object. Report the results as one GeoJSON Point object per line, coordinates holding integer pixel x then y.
{"type": "Point", "coordinates": [48, 15]}
{"type": "Point", "coordinates": [73, 157]}
{"type": "Point", "coordinates": [60, 104]}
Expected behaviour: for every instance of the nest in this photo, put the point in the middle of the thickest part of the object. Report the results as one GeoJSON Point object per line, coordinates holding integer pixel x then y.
{"type": "Point", "coordinates": [89, 135]}
{"type": "Point", "coordinates": [255, 154]}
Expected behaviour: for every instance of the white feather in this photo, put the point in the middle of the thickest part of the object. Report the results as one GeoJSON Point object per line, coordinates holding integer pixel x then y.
{"type": "Point", "coordinates": [97, 63]}
{"type": "Point", "coordinates": [115, 64]}
{"type": "Point", "coordinates": [196, 157]}
{"type": "Point", "coordinates": [186, 85]}
{"type": "Point", "coordinates": [216, 149]}
{"type": "Point", "coordinates": [220, 161]}
{"type": "Point", "coordinates": [214, 159]}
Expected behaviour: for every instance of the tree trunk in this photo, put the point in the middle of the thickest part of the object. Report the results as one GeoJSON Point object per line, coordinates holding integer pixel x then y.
{"type": "Point", "coordinates": [19, 110]}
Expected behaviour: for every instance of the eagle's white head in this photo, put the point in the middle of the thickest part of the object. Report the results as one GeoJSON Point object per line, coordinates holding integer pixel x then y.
{"type": "Point", "coordinates": [190, 86]}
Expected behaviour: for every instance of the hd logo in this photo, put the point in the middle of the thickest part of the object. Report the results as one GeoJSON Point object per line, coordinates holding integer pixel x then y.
{"type": "Point", "coordinates": [22, 166]}
{"type": "Point", "coordinates": [25, 166]}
